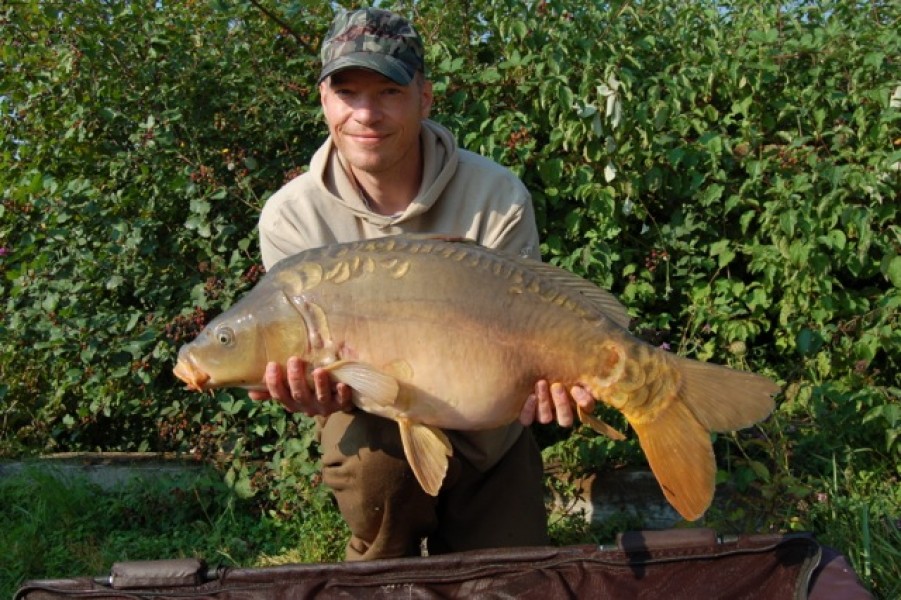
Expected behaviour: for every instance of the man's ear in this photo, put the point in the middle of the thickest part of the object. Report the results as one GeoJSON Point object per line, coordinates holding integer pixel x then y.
{"type": "Point", "coordinates": [425, 99]}
{"type": "Point", "coordinates": [323, 88]}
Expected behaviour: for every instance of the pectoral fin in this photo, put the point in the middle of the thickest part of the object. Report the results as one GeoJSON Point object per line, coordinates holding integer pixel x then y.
{"type": "Point", "coordinates": [427, 449]}
{"type": "Point", "coordinates": [680, 453]}
{"type": "Point", "coordinates": [599, 426]}
{"type": "Point", "coordinates": [366, 381]}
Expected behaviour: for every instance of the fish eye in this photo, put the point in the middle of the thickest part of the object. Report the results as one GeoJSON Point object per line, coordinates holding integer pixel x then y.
{"type": "Point", "coordinates": [225, 336]}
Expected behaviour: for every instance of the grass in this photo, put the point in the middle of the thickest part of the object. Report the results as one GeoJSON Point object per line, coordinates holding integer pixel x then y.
{"type": "Point", "coordinates": [859, 513]}
{"type": "Point", "coordinates": [54, 528]}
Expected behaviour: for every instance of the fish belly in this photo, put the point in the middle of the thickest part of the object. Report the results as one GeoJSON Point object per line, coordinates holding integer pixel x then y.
{"type": "Point", "coordinates": [457, 372]}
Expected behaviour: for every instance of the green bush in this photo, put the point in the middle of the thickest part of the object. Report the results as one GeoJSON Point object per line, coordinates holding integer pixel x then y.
{"type": "Point", "coordinates": [731, 170]}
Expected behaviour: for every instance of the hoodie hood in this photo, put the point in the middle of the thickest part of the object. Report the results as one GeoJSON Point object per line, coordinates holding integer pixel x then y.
{"type": "Point", "coordinates": [440, 159]}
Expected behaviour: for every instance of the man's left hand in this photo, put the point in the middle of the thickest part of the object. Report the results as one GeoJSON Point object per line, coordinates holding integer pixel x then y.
{"type": "Point", "coordinates": [550, 401]}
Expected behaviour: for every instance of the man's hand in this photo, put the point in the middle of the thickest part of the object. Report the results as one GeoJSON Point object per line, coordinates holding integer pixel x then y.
{"type": "Point", "coordinates": [293, 392]}
{"type": "Point", "coordinates": [552, 400]}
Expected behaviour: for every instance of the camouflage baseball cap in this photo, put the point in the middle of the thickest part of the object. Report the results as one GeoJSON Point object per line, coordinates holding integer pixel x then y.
{"type": "Point", "coordinates": [373, 39]}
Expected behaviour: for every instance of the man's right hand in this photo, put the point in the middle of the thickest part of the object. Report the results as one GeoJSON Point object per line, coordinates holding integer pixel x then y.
{"type": "Point", "coordinates": [293, 392]}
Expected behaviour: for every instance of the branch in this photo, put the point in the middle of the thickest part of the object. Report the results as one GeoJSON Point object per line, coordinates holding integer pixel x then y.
{"type": "Point", "coordinates": [284, 25]}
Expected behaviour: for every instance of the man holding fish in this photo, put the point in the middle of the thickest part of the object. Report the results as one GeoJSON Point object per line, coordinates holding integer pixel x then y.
{"type": "Point", "coordinates": [384, 170]}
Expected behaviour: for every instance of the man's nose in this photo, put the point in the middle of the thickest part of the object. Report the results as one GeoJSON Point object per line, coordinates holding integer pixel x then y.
{"type": "Point", "coordinates": [367, 110]}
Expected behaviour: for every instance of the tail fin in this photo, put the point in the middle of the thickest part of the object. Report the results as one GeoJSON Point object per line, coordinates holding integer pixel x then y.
{"type": "Point", "coordinates": [724, 399]}
{"type": "Point", "coordinates": [679, 451]}
{"type": "Point", "coordinates": [676, 440]}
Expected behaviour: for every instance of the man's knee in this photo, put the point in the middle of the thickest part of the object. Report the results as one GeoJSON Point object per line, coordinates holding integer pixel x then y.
{"type": "Point", "coordinates": [384, 506]}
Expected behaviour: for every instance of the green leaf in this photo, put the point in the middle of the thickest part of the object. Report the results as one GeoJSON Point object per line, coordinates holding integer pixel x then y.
{"type": "Point", "coordinates": [799, 252]}
{"type": "Point", "coordinates": [891, 269]}
{"type": "Point", "coordinates": [132, 321]}
{"type": "Point", "coordinates": [808, 342]}
{"type": "Point", "coordinates": [835, 239]}
{"type": "Point", "coordinates": [519, 29]}
{"type": "Point", "coordinates": [239, 481]}
{"type": "Point", "coordinates": [760, 470]}
{"type": "Point", "coordinates": [723, 252]}
{"type": "Point", "coordinates": [551, 171]}
{"type": "Point", "coordinates": [712, 194]}
{"type": "Point", "coordinates": [565, 97]}
{"type": "Point", "coordinates": [890, 413]}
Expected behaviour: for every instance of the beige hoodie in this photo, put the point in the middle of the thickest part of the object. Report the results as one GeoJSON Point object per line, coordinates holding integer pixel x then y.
{"type": "Point", "coordinates": [462, 194]}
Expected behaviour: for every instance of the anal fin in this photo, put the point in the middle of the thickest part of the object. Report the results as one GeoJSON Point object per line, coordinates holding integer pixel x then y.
{"type": "Point", "coordinates": [426, 449]}
{"type": "Point", "coordinates": [598, 425]}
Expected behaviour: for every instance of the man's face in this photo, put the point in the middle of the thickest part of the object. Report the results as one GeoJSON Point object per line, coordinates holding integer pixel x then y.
{"type": "Point", "coordinates": [373, 121]}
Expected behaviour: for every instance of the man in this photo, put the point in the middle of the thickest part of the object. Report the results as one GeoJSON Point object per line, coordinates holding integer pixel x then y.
{"type": "Point", "coordinates": [386, 169]}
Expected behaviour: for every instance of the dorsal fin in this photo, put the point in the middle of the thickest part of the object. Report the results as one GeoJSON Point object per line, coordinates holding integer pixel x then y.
{"type": "Point", "coordinates": [572, 284]}
{"type": "Point", "coordinates": [603, 300]}
{"type": "Point", "coordinates": [440, 237]}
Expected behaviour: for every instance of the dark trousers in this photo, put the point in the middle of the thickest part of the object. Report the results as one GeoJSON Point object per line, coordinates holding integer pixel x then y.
{"type": "Point", "coordinates": [389, 514]}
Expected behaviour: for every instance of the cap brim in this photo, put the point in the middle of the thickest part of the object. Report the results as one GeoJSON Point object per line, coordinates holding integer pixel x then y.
{"type": "Point", "coordinates": [395, 70]}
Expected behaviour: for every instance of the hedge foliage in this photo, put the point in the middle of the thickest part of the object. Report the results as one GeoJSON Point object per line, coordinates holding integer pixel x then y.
{"type": "Point", "coordinates": [730, 169]}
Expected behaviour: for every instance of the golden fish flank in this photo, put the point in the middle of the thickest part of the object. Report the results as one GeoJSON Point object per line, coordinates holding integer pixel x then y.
{"type": "Point", "coordinates": [439, 334]}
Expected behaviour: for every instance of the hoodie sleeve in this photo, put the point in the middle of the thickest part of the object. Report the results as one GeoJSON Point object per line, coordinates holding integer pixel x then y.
{"type": "Point", "coordinates": [516, 232]}
{"type": "Point", "coordinates": [273, 245]}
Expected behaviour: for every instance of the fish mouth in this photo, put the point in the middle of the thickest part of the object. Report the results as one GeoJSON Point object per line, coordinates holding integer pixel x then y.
{"type": "Point", "coordinates": [188, 372]}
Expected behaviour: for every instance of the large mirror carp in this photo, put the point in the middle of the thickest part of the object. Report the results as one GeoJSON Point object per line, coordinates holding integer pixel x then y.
{"type": "Point", "coordinates": [439, 333]}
